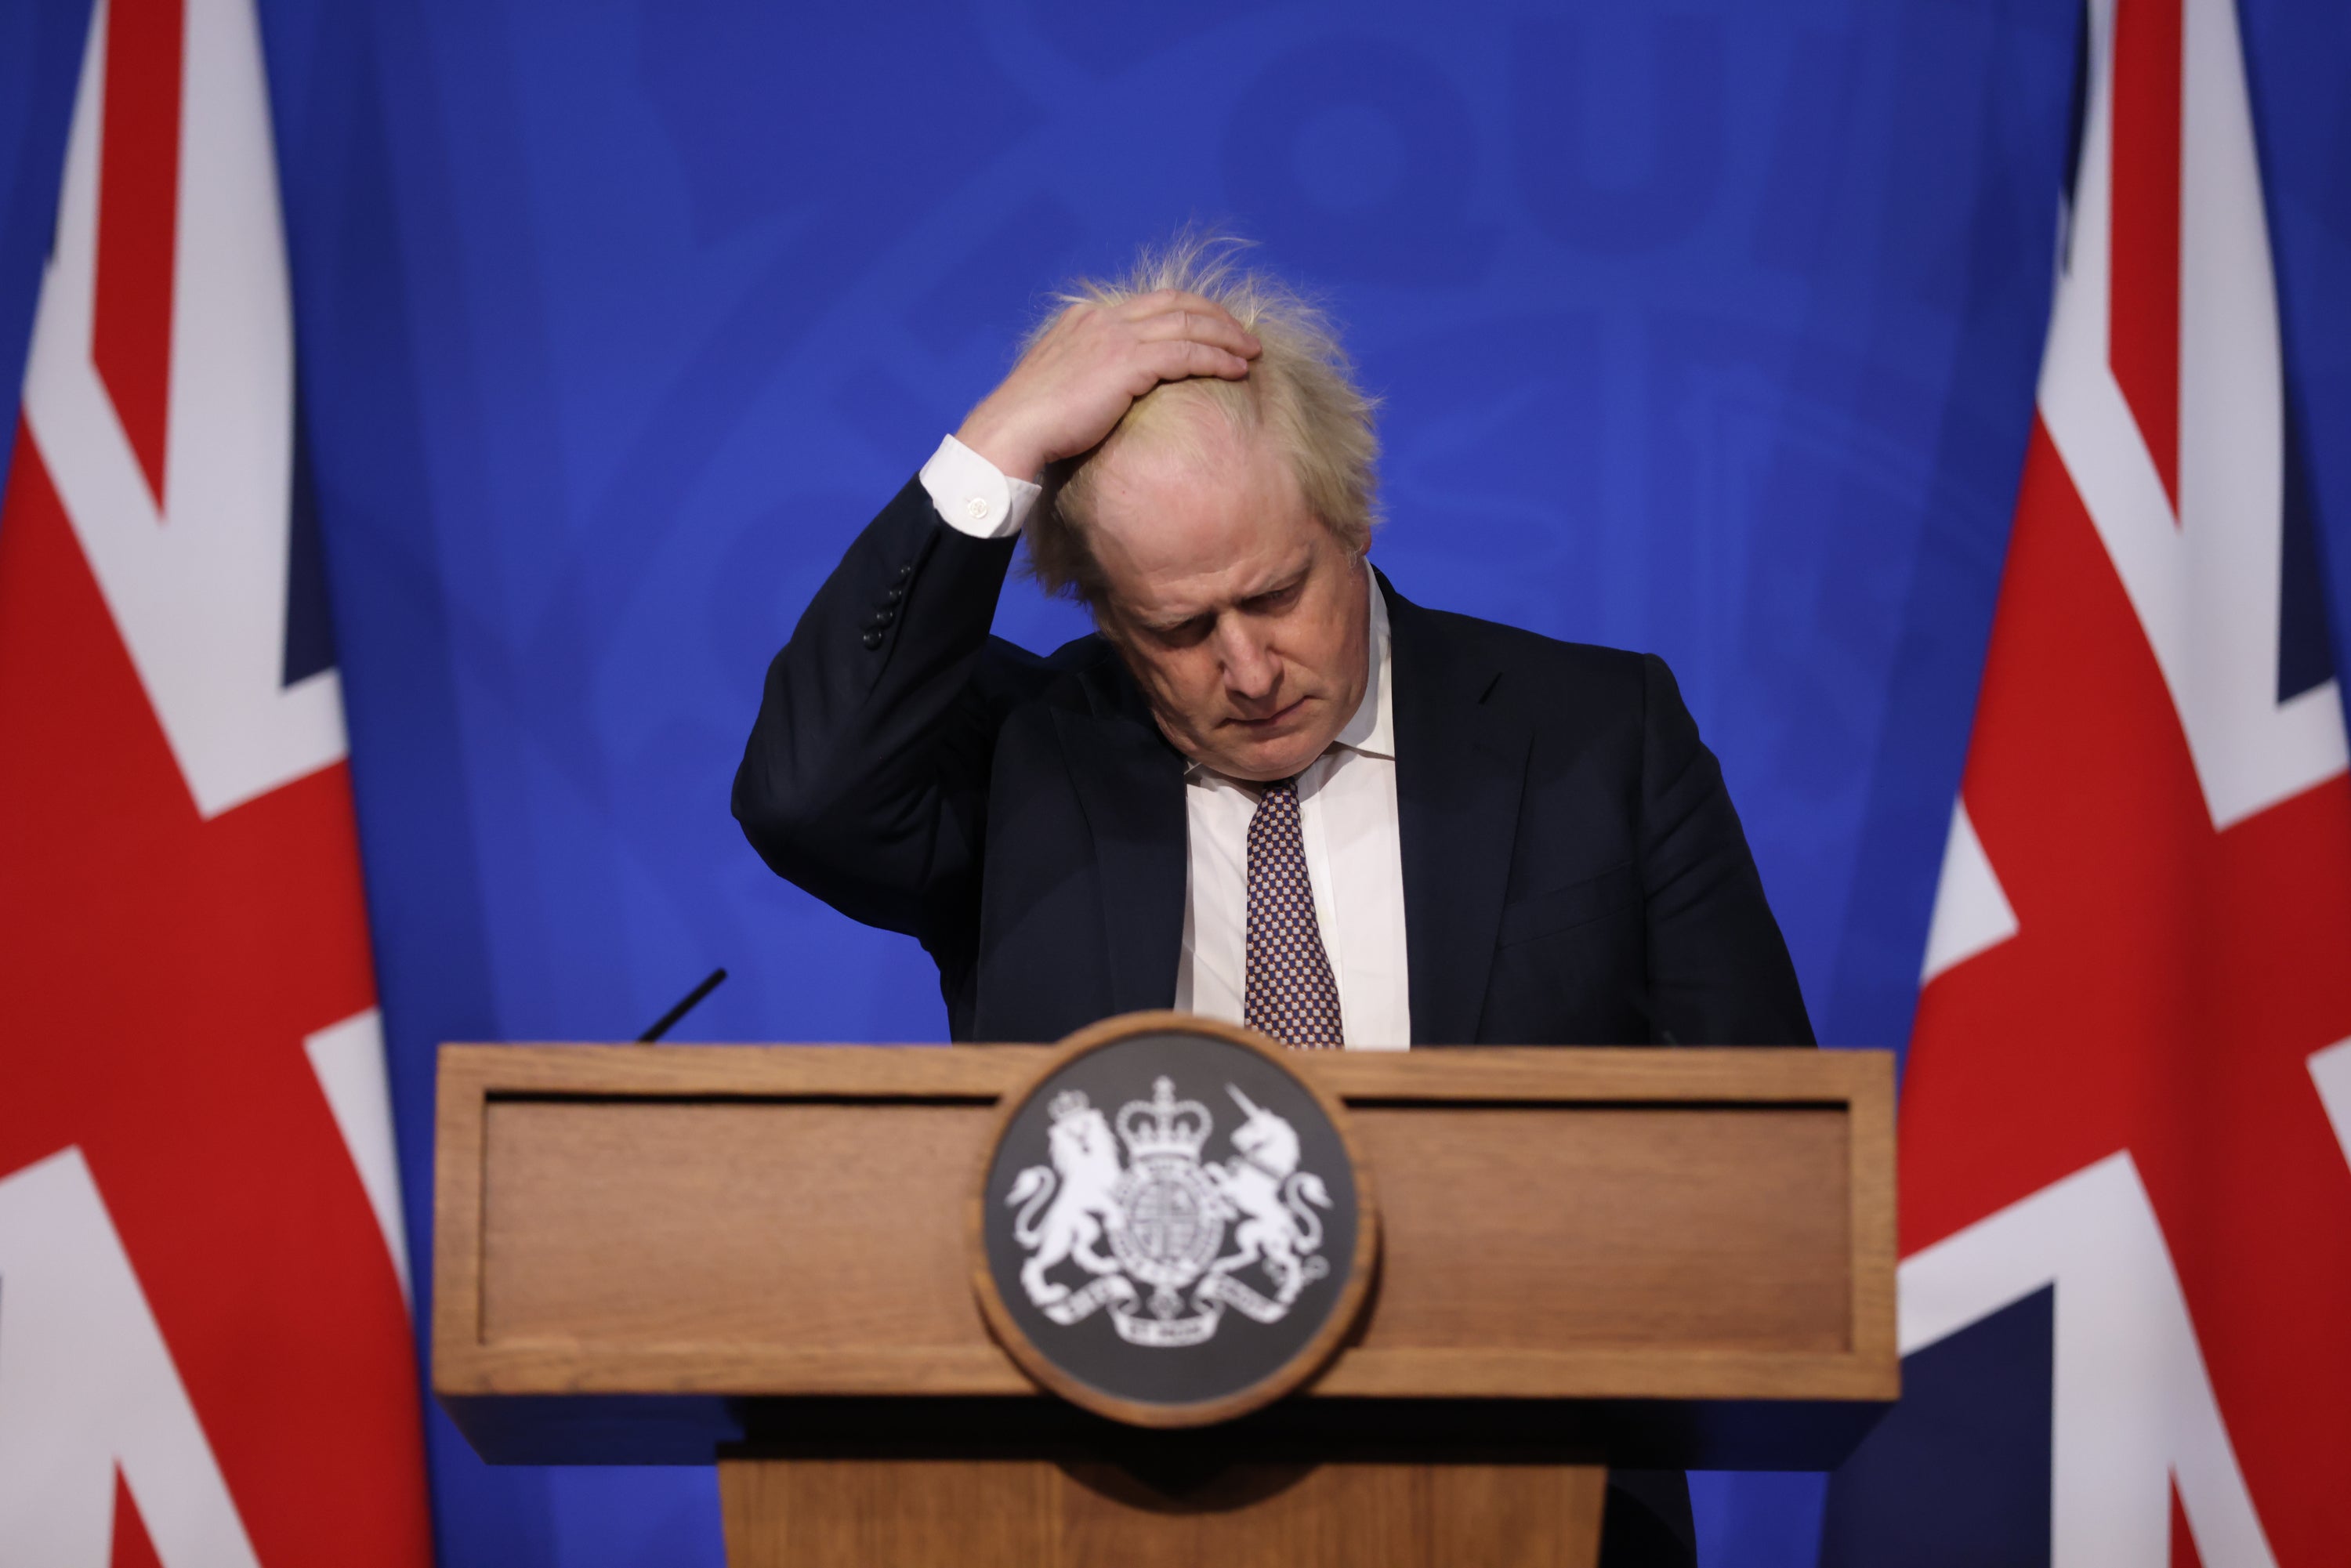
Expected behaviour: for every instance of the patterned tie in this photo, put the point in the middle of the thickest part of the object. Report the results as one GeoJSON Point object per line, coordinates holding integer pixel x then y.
{"type": "Point", "coordinates": [1292, 995]}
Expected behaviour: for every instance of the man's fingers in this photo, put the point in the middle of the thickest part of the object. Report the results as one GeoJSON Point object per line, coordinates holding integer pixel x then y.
{"type": "Point", "coordinates": [1192, 307]}
{"type": "Point", "coordinates": [1172, 302]}
{"type": "Point", "coordinates": [1138, 307]}
{"type": "Point", "coordinates": [1180, 358]}
{"type": "Point", "coordinates": [1209, 326]}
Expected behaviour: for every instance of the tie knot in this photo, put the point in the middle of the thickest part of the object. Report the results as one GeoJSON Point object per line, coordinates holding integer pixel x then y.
{"type": "Point", "coordinates": [1277, 802]}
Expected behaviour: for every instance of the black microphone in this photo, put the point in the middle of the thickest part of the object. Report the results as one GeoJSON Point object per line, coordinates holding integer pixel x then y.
{"type": "Point", "coordinates": [685, 1004]}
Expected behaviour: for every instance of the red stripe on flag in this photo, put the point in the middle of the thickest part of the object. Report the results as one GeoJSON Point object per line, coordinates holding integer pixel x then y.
{"type": "Point", "coordinates": [2183, 1540]}
{"type": "Point", "coordinates": [2143, 295]}
{"type": "Point", "coordinates": [138, 221]}
{"type": "Point", "coordinates": [131, 1549]}
{"type": "Point", "coordinates": [162, 973]}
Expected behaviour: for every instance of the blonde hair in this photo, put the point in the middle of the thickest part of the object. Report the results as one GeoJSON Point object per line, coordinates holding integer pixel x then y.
{"type": "Point", "coordinates": [1301, 390]}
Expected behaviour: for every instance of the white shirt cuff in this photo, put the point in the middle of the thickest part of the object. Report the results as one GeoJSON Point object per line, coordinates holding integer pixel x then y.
{"type": "Point", "coordinates": [974, 496]}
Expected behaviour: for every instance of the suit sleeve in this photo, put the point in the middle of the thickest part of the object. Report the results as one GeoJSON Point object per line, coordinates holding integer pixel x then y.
{"type": "Point", "coordinates": [866, 777]}
{"type": "Point", "coordinates": [1719, 969]}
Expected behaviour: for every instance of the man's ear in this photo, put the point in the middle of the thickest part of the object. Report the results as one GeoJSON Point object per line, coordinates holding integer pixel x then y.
{"type": "Point", "coordinates": [1106, 620]}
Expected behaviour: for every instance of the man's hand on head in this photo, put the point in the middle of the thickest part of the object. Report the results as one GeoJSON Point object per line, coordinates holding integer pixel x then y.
{"type": "Point", "coordinates": [1073, 387]}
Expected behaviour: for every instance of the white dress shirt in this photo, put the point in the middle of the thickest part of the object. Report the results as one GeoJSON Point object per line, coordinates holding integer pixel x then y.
{"type": "Point", "coordinates": [1347, 817]}
{"type": "Point", "coordinates": [974, 496]}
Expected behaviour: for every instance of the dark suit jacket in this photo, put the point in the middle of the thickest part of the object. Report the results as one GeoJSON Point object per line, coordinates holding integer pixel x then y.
{"type": "Point", "coordinates": [1573, 871]}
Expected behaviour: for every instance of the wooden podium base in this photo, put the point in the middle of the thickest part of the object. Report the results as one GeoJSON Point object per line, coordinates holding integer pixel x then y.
{"type": "Point", "coordinates": [1035, 1513]}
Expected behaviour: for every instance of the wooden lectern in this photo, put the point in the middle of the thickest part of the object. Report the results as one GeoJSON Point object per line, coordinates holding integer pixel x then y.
{"type": "Point", "coordinates": [758, 1256]}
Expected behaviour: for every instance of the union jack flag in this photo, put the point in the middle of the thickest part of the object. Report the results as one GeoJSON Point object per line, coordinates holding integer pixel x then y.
{"type": "Point", "coordinates": [205, 1351]}
{"type": "Point", "coordinates": [2127, 1102]}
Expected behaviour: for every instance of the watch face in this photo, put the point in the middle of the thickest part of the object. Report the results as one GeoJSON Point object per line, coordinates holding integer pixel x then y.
{"type": "Point", "coordinates": [1172, 1225]}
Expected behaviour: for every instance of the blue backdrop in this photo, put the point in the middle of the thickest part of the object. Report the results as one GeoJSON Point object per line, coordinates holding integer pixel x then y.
{"type": "Point", "coordinates": [1707, 327]}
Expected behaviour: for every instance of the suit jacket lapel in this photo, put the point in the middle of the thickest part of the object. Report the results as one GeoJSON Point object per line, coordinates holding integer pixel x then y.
{"type": "Point", "coordinates": [1460, 768]}
{"type": "Point", "coordinates": [1130, 784]}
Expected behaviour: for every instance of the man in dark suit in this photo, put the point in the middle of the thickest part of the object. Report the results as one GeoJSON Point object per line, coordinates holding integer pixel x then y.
{"type": "Point", "coordinates": [1270, 787]}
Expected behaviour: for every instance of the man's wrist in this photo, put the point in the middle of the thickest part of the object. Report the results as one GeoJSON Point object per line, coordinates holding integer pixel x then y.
{"type": "Point", "coordinates": [973, 495]}
{"type": "Point", "coordinates": [1012, 456]}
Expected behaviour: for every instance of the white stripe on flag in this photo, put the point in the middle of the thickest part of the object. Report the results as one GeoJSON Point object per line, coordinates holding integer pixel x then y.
{"type": "Point", "coordinates": [1972, 914]}
{"type": "Point", "coordinates": [87, 1387]}
{"type": "Point", "coordinates": [348, 1056]}
{"type": "Point", "coordinates": [2331, 1070]}
{"type": "Point", "coordinates": [2133, 1408]}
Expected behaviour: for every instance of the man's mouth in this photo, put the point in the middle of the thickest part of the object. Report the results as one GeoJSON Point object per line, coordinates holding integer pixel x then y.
{"type": "Point", "coordinates": [1269, 722]}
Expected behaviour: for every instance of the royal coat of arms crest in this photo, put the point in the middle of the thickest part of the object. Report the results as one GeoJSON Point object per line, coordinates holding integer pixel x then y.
{"type": "Point", "coordinates": [1163, 1242]}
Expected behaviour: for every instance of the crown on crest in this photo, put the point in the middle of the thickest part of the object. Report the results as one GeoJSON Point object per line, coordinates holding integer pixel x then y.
{"type": "Point", "coordinates": [1069, 1102]}
{"type": "Point", "coordinates": [1164, 1125]}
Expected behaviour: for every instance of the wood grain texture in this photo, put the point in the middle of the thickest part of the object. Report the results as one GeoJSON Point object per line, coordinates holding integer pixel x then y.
{"type": "Point", "coordinates": [744, 1071]}
{"type": "Point", "coordinates": [831, 1514]}
{"type": "Point", "coordinates": [1557, 1224]}
{"type": "Point", "coordinates": [812, 1513]}
{"type": "Point", "coordinates": [1870, 1145]}
{"type": "Point", "coordinates": [460, 1096]}
{"type": "Point", "coordinates": [1528, 1228]}
{"type": "Point", "coordinates": [807, 1224]}
{"type": "Point", "coordinates": [1447, 1072]}
{"type": "Point", "coordinates": [1596, 1075]}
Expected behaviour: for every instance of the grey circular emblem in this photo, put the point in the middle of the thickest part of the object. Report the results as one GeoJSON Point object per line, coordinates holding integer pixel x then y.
{"type": "Point", "coordinates": [1172, 1227]}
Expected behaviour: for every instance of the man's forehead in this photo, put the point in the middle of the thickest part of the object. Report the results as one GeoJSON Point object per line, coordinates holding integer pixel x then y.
{"type": "Point", "coordinates": [1168, 600]}
{"type": "Point", "coordinates": [1181, 529]}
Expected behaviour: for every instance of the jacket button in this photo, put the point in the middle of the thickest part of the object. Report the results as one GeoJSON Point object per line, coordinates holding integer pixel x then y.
{"type": "Point", "coordinates": [895, 594]}
{"type": "Point", "coordinates": [872, 639]}
{"type": "Point", "coordinates": [882, 617]}
{"type": "Point", "coordinates": [905, 572]}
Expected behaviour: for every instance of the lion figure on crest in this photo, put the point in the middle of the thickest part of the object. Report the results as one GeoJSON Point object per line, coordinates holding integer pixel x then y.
{"type": "Point", "coordinates": [1075, 1195]}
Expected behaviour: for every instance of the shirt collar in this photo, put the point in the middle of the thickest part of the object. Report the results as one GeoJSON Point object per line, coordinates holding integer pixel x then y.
{"type": "Point", "coordinates": [1372, 730]}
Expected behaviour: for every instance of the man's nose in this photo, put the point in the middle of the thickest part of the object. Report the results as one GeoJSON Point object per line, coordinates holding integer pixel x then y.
{"type": "Point", "coordinates": [1252, 671]}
